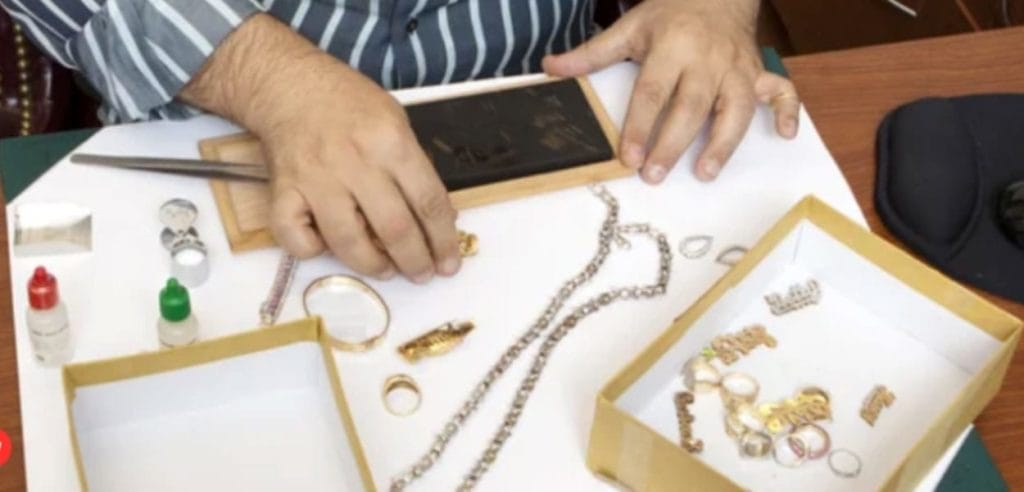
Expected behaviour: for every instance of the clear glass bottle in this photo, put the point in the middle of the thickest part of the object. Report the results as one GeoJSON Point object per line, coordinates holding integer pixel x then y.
{"type": "Point", "coordinates": [47, 320]}
{"type": "Point", "coordinates": [177, 326]}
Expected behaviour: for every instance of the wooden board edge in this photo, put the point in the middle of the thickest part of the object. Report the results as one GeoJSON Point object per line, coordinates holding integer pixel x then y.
{"type": "Point", "coordinates": [251, 241]}
{"type": "Point", "coordinates": [238, 240]}
{"type": "Point", "coordinates": [601, 113]}
{"type": "Point", "coordinates": [208, 146]}
{"type": "Point", "coordinates": [226, 211]}
{"type": "Point", "coordinates": [539, 183]}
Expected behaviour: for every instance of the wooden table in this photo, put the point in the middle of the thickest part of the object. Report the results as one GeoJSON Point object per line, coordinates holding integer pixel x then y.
{"type": "Point", "coordinates": [847, 93]}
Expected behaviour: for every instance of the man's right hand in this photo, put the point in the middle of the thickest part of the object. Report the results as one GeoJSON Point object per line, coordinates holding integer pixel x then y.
{"type": "Point", "coordinates": [348, 173]}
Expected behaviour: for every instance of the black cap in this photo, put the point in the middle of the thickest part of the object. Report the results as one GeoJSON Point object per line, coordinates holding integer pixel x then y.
{"type": "Point", "coordinates": [949, 173]}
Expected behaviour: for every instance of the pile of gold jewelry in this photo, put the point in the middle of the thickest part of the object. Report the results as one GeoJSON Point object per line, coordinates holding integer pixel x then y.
{"type": "Point", "coordinates": [786, 430]}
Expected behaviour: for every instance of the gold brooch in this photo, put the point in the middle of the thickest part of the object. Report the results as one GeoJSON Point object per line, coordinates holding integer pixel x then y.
{"type": "Point", "coordinates": [880, 397]}
{"type": "Point", "coordinates": [728, 348]}
{"type": "Point", "coordinates": [435, 342]}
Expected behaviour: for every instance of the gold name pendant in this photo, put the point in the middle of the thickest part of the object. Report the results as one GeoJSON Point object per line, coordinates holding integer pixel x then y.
{"type": "Point", "coordinates": [879, 398]}
{"type": "Point", "coordinates": [728, 348]}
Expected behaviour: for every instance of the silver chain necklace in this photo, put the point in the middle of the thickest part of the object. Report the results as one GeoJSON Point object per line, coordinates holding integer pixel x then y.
{"type": "Point", "coordinates": [611, 231]}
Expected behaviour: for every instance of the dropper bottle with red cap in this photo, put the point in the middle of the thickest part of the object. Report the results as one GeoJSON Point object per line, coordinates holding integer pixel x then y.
{"type": "Point", "coordinates": [47, 320]}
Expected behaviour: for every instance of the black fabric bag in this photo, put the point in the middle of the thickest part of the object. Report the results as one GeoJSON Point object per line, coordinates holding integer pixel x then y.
{"type": "Point", "coordinates": [949, 186]}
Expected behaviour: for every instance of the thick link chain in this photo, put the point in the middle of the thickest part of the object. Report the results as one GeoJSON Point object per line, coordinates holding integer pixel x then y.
{"type": "Point", "coordinates": [611, 231]}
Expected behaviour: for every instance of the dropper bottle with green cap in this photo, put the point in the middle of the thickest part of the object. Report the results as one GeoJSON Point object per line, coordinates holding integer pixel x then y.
{"type": "Point", "coordinates": [177, 326]}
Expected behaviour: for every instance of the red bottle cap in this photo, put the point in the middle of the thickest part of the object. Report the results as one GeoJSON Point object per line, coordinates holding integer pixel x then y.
{"type": "Point", "coordinates": [42, 290]}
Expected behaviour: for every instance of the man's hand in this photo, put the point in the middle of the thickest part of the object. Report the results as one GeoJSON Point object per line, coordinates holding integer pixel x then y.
{"type": "Point", "coordinates": [698, 58]}
{"type": "Point", "coordinates": [348, 173]}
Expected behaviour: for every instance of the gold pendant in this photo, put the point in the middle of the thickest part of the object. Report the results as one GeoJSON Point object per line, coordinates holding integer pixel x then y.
{"type": "Point", "coordinates": [809, 405]}
{"type": "Point", "coordinates": [436, 342]}
{"type": "Point", "coordinates": [728, 348]}
{"type": "Point", "coordinates": [683, 399]}
{"type": "Point", "coordinates": [880, 397]}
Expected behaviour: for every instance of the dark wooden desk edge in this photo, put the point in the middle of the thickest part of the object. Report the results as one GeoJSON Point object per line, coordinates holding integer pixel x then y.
{"type": "Point", "coordinates": [848, 92]}
{"type": "Point", "coordinates": [12, 474]}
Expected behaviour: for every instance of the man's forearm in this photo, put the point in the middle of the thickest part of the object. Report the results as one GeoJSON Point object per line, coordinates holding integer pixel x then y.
{"type": "Point", "coordinates": [137, 54]}
{"type": "Point", "coordinates": [260, 65]}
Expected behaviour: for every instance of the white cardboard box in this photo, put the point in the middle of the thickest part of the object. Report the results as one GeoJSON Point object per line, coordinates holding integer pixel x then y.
{"type": "Point", "coordinates": [258, 411]}
{"type": "Point", "coordinates": [883, 318]}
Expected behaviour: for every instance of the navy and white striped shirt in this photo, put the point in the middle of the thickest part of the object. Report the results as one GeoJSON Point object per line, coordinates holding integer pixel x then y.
{"type": "Point", "coordinates": [138, 54]}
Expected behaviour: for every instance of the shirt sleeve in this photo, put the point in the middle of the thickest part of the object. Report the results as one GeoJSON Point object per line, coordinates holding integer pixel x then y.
{"type": "Point", "coordinates": [137, 54]}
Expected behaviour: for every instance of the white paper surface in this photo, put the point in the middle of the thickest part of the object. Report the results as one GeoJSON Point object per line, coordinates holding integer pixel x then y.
{"type": "Point", "coordinates": [527, 249]}
{"type": "Point", "coordinates": [262, 421]}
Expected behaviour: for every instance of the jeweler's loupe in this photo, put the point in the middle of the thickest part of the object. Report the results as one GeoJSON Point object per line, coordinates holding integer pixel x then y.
{"type": "Point", "coordinates": [354, 316]}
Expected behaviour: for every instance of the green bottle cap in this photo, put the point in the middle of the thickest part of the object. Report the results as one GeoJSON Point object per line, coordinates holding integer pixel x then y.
{"type": "Point", "coordinates": [174, 303]}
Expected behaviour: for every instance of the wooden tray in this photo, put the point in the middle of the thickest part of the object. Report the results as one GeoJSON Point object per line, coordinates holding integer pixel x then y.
{"type": "Point", "coordinates": [244, 207]}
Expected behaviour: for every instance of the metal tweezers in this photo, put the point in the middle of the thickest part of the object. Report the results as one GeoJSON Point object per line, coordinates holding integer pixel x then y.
{"type": "Point", "coordinates": [190, 167]}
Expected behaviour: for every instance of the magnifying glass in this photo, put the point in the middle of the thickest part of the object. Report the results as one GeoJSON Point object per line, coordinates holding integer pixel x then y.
{"type": "Point", "coordinates": [354, 316]}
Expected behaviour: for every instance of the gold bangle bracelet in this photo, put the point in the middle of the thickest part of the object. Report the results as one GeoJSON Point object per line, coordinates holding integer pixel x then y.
{"type": "Point", "coordinates": [397, 382]}
{"type": "Point", "coordinates": [352, 284]}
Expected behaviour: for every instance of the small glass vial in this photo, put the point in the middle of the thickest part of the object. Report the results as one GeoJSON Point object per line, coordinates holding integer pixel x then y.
{"type": "Point", "coordinates": [47, 320]}
{"type": "Point", "coordinates": [176, 327]}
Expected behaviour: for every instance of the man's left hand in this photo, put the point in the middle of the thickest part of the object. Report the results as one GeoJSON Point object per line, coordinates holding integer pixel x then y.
{"type": "Point", "coordinates": [698, 59]}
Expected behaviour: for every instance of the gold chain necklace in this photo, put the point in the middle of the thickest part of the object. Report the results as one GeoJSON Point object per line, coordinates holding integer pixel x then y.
{"type": "Point", "coordinates": [611, 231]}
{"type": "Point", "coordinates": [24, 101]}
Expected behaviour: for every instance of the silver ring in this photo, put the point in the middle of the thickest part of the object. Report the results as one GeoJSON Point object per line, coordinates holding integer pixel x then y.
{"type": "Point", "coordinates": [787, 443]}
{"type": "Point", "coordinates": [731, 256]}
{"type": "Point", "coordinates": [845, 472]}
{"type": "Point", "coordinates": [694, 247]}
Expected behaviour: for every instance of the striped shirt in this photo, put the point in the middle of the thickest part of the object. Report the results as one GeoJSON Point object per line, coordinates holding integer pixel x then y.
{"type": "Point", "coordinates": [138, 54]}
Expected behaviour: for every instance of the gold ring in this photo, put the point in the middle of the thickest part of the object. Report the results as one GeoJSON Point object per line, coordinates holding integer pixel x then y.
{"type": "Point", "coordinates": [700, 376]}
{"type": "Point", "coordinates": [397, 382]}
{"type": "Point", "coordinates": [755, 444]}
{"type": "Point", "coordinates": [350, 282]}
{"type": "Point", "coordinates": [783, 95]}
{"type": "Point", "coordinates": [734, 427]}
{"type": "Point", "coordinates": [806, 446]}
{"type": "Point", "coordinates": [737, 388]}
{"type": "Point", "coordinates": [467, 244]}
{"type": "Point", "coordinates": [747, 415]}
